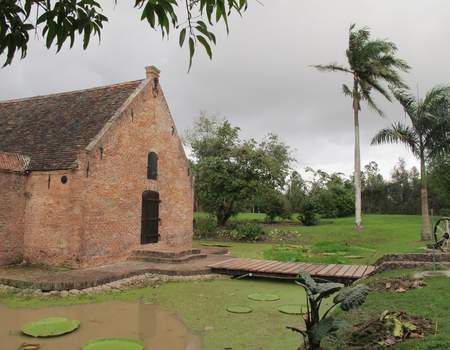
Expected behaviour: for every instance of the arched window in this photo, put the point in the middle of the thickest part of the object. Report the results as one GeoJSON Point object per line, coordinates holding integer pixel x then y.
{"type": "Point", "coordinates": [152, 166]}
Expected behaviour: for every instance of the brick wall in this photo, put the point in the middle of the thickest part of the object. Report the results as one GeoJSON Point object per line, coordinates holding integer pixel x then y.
{"type": "Point", "coordinates": [95, 218]}
{"type": "Point", "coordinates": [52, 219]}
{"type": "Point", "coordinates": [12, 223]}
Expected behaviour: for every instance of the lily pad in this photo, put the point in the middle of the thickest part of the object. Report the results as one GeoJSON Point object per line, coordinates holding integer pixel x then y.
{"type": "Point", "coordinates": [263, 297]}
{"type": "Point", "coordinates": [292, 309]}
{"type": "Point", "coordinates": [50, 327]}
{"type": "Point", "coordinates": [113, 344]}
{"type": "Point", "coordinates": [240, 309]}
{"type": "Point", "coordinates": [29, 347]}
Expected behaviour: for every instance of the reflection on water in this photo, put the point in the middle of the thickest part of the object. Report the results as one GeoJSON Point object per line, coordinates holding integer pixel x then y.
{"type": "Point", "coordinates": [157, 328]}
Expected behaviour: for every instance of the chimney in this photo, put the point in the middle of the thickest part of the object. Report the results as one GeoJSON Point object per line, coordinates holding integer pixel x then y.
{"type": "Point", "coordinates": [152, 72]}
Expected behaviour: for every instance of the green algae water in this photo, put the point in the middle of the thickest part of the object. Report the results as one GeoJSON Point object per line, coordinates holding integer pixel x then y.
{"type": "Point", "coordinates": [149, 323]}
{"type": "Point", "coordinates": [174, 316]}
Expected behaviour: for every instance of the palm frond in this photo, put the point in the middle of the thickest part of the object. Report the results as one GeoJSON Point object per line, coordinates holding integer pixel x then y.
{"type": "Point", "coordinates": [398, 133]}
{"type": "Point", "coordinates": [407, 100]}
{"type": "Point", "coordinates": [332, 67]}
{"type": "Point", "coordinates": [371, 103]}
{"type": "Point", "coordinates": [347, 91]}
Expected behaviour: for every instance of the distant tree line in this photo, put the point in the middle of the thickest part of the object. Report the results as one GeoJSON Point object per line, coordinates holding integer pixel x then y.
{"type": "Point", "coordinates": [235, 176]}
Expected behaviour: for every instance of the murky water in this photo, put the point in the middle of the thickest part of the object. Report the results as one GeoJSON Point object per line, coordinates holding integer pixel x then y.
{"type": "Point", "coordinates": [157, 328]}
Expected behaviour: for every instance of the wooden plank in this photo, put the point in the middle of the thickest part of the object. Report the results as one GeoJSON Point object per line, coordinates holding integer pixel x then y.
{"type": "Point", "coordinates": [335, 269]}
{"type": "Point", "coordinates": [269, 267]}
{"type": "Point", "coordinates": [324, 271]}
{"type": "Point", "coordinates": [369, 270]}
{"type": "Point", "coordinates": [231, 265]}
{"type": "Point", "coordinates": [306, 266]}
{"type": "Point", "coordinates": [311, 267]}
{"type": "Point", "coordinates": [220, 263]}
{"type": "Point", "coordinates": [260, 264]}
{"type": "Point", "coordinates": [230, 262]}
{"type": "Point", "coordinates": [360, 271]}
{"type": "Point", "coordinates": [278, 268]}
{"type": "Point", "coordinates": [318, 268]}
{"type": "Point", "coordinates": [343, 269]}
{"type": "Point", "coordinates": [350, 271]}
{"type": "Point", "coordinates": [288, 265]}
{"type": "Point", "coordinates": [294, 269]}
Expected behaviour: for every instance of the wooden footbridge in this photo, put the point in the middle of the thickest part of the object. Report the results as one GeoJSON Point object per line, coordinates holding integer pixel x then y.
{"type": "Point", "coordinates": [289, 270]}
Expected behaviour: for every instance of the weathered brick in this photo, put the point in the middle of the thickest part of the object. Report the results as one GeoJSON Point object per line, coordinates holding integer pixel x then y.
{"type": "Point", "coordinates": [95, 217]}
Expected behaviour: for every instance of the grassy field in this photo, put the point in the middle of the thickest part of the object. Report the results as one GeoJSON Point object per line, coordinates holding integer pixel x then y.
{"type": "Point", "coordinates": [382, 234]}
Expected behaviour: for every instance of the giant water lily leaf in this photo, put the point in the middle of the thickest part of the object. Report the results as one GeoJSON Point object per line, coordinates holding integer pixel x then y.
{"type": "Point", "coordinates": [50, 327]}
{"type": "Point", "coordinates": [113, 344]}
{"type": "Point", "coordinates": [292, 309]}
{"type": "Point", "coordinates": [240, 309]}
{"type": "Point", "coordinates": [263, 297]}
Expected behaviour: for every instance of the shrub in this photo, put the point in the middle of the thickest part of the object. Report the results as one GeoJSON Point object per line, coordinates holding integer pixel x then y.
{"type": "Point", "coordinates": [249, 232]}
{"type": "Point", "coordinates": [317, 328]}
{"type": "Point", "coordinates": [309, 216]}
{"type": "Point", "coordinates": [204, 227]}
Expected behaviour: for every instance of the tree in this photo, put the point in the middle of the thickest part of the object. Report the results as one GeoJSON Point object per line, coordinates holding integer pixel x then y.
{"type": "Point", "coordinates": [64, 19]}
{"type": "Point", "coordinates": [439, 181]}
{"type": "Point", "coordinates": [374, 190]}
{"type": "Point", "coordinates": [232, 174]}
{"type": "Point", "coordinates": [403, 191]}
{"type": "Point", "coordinates": [370, 62]}
{"type": "Point", "coordinates": [427, 137]}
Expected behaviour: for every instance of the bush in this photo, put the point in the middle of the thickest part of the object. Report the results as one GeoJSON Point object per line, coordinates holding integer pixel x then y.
{"type": "Point", "coordinates": [204, 227]}
{"type": "Point", "coordinates": [309, 216]}
{"type": "Point", "coordinates": [249, 232]}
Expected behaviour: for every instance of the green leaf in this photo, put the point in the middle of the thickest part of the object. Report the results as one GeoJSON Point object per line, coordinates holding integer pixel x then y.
{"type": "Point", "coordinates": [50, 327]}
{"type": "Point", "coordinates": [321, 329]}
{"type": "Point", "coordinates": [352, 298]}
{"type": "Point", "coordinates": [113, 343]}
{"type": "Point", "coordinates": [240, 309]}
{"type": "Point", "coordinates": [294, 329]}
{"type": "Point", "coordinates": [264, 297]}
{"type": "Point", "coordinates": [182, 36]}
{"type": "Point", "coordinates": [339, 325]}
{"type": "Point", "coordinates": [191, 51]}
{"type": "Point", "coordinates": [203, 41]}
{"type": "Point", "coordinates": [312, 285]}
{"type": "Point", "coordinates": [328, 289]}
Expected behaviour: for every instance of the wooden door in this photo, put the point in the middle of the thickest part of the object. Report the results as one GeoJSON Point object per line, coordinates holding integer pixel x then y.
{"type": "Point", "coordinates": [150, 220]}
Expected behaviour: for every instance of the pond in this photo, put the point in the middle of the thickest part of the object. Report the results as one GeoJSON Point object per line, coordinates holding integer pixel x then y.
{"type": "Point", "coordinates": [175, 316]}
{"type": "Point", "coordinates": [149, 323]}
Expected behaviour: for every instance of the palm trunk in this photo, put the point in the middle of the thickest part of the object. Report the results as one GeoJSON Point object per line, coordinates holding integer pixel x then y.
{"type": "Point", "coordinates": [425, 233]}
{"type": "Point", "coordinates": [358, 223]}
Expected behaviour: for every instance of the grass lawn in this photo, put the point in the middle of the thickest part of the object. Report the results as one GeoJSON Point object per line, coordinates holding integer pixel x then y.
{"type": "Point", "coordinates": [382, 234]}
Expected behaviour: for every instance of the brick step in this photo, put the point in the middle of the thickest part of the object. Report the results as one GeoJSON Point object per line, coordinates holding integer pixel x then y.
{"type": "Point", "coordinates": [164, 253]}
{"type": "Point", "coordinates": [171, 260]}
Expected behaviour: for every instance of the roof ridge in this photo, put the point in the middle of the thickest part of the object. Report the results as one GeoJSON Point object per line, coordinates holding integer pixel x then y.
{"type": "Point", "coordinates": [70, 92]}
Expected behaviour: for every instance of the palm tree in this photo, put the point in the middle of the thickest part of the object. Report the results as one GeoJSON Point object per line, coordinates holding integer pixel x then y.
{"type": "Point", "coordinates": [370, 61]}
{"type": "Point", "coordinates": [427, 137]}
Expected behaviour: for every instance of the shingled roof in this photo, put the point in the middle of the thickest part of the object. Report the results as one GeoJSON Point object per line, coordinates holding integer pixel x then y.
{"type": "Point", "coordinates": [53, 129]}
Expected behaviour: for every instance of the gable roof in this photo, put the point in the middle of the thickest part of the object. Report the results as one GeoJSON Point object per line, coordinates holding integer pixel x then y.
{"type": "Point", "coordinates": [53, 129]}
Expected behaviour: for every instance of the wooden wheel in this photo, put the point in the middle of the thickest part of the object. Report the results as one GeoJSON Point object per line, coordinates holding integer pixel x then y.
{"type": "Point", "coordinates": [442, 234]}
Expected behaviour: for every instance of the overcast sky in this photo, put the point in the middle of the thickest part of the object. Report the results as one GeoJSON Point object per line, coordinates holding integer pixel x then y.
{"type": "Point", "coordinates": [259, 78]}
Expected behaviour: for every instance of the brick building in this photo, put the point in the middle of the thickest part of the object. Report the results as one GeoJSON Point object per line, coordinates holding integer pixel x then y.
{"type": "Point", "coordinates": [85, 176]}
